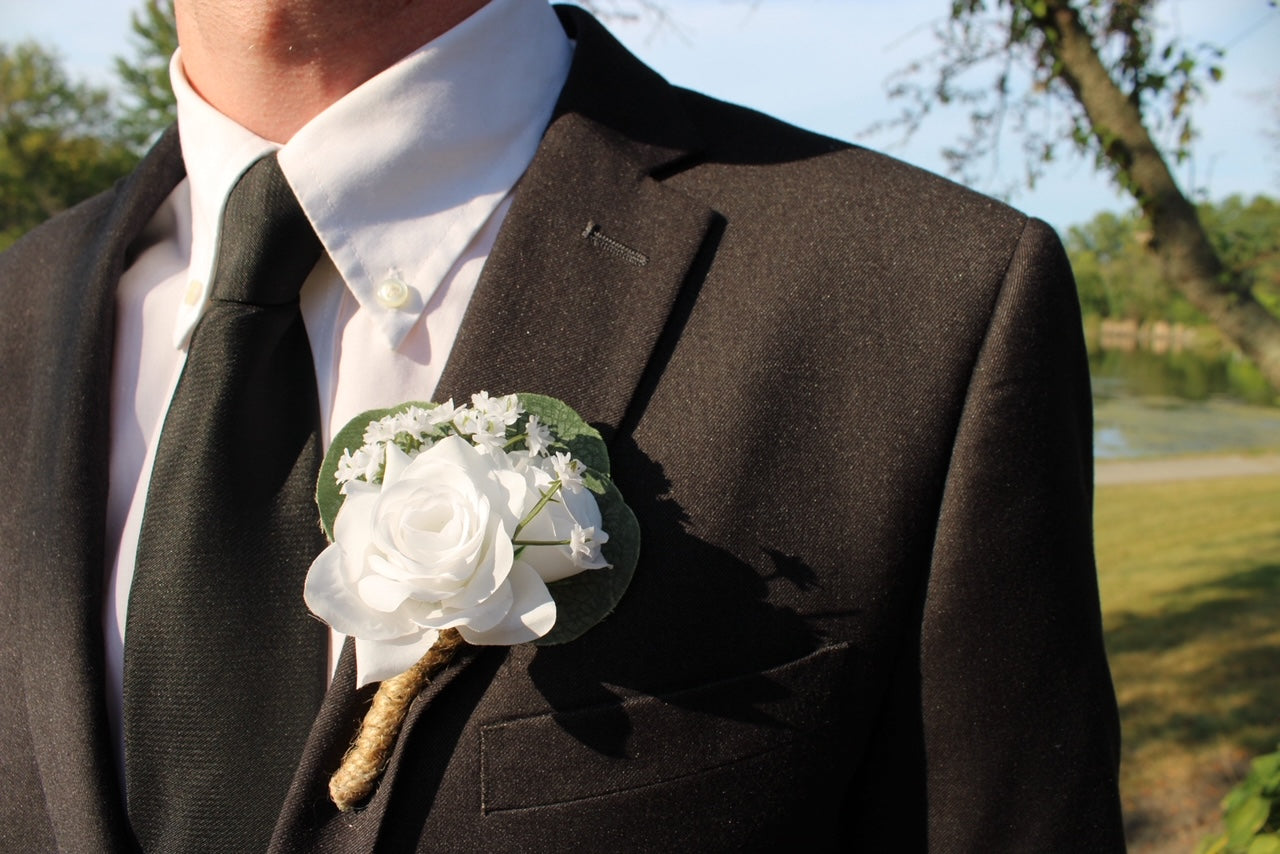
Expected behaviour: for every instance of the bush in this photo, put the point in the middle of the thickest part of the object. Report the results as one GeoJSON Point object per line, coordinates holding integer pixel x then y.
{"type": "Point", "coordinates": [1251, 813]}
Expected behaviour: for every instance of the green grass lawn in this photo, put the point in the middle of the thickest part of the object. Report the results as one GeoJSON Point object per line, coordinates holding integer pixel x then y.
{"type": "Point", "coordinates": [1190, 578]}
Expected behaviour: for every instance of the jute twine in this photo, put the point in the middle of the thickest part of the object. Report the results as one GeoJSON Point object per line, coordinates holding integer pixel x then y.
{"type": "Point", "coordinates": [367, 757]}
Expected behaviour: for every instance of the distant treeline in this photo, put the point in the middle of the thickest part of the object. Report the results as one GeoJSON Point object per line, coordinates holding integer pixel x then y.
{"type": "Point", "coordinates": [1119, 278]}
{"type": "Point", "coordinates": [63, 139]}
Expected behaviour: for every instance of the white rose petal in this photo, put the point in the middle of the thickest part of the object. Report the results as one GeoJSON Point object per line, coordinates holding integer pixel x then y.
{"type": "Point", "coordinates": [532, 614]}
{"type": "Point", "coordinates": [330, 592]}
{"type": "Point", "coordinates": [381, 593]}
{"type": "Point", "coordinates": [379, 660]}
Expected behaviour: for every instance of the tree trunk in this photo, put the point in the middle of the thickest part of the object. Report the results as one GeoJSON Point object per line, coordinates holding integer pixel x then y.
{"type": "Point", "coordinates": [1179, 239]}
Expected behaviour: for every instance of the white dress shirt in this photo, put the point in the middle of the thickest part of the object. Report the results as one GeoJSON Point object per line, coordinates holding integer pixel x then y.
{"type": "Point", "coordinates": [406, 180]}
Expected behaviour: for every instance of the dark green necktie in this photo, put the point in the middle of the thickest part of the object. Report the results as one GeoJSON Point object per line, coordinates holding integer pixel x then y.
{"type": "Point", "coordinates": [223, 666]}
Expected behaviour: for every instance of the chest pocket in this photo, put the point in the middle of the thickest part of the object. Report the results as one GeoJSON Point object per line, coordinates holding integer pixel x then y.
{"type": "Point", "coordinates": [781, 716]}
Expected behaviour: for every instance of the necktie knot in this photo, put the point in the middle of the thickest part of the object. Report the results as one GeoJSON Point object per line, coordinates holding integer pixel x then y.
{"type": "Point", "coordinates": [267, 245]}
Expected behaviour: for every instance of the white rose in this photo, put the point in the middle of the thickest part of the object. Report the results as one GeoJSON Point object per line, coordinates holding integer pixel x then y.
{"type": "Point", "coordinates": [427, 550]}
{"type": "Point", "coordinates": [571, 509]}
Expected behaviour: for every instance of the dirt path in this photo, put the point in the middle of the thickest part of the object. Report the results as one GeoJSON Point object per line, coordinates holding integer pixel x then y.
{"type": "Point", "coordinates": [1109, 472]}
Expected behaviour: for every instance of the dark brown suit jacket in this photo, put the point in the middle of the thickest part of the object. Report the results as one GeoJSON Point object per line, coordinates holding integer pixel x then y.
{"type": "Point", "coordinates": [849, 404]}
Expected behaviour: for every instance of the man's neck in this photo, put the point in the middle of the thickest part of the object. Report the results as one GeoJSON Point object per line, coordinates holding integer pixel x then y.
{"type": "Point", "coordinates": [272, 65]}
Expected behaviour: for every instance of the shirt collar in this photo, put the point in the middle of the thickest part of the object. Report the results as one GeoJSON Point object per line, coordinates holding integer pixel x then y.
{"type": "Point", "coordinates": [399, 175]}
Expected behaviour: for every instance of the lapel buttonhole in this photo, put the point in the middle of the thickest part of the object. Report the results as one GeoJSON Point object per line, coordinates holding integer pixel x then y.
{"type": "Point", "coordinates": [597, 238]}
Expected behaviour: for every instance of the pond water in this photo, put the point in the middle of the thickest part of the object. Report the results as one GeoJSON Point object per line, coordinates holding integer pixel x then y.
{"type": "Point", "coordinates": [1157, 404]}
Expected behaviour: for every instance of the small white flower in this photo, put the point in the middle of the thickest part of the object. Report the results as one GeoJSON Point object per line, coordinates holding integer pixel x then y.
{"type": "Point", "coordinates": [442, 414]}
{"type": "Point", "coordinates": [584, 547]}
{"type": "Point", "coordinates": [537, 436]}
{"type": "Point", "coordinates": [505, 409]}
{"type": "Point", "coordinates": [568, 470]}
{"type": "Point", "coordinates": [348, 468]}
{"type": "Point", "coordinates": [508, 409]}
{"type": "Point", "coordinates": [466, 420]}
{"type": "Point", "coordinates": [415, 421]}
{"type": "Point", "coordinates": [382, 430]}
{"type": "Point", "coordinates": [362, 464]}
{"type": "Point", "coordinates": [489, 434]}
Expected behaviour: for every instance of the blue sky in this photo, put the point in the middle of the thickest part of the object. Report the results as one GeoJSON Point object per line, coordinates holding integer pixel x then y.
{"type": "Point", "coordinates": [822, 64]}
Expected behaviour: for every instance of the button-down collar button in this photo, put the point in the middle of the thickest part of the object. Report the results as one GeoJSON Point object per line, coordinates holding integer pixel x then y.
{"type": "Point", "coordinates": [393, 293]}
{"type": "Point", "coordinates": [194, 290]}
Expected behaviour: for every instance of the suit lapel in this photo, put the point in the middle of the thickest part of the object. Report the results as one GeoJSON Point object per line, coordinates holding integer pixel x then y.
{"type": "Point", "coordinates": [581, 281]}
{"type": "Point", "coordinates": [588, 264]}
{"type": "Point", "coordinates": [572, 302]}
{"type": "Point", "coordinates": [63, 556]}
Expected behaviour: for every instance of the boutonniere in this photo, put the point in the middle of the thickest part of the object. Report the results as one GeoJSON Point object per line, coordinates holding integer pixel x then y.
{"type": "Point", "coordinates": [489, 524]}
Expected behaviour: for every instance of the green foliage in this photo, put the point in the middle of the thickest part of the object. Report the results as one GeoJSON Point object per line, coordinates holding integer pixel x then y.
{"type": "Point", "coordinates": [62, 141]}
{"type": "Point", "coordinates": [1115, 276]}
{"type": "Point", "coordinates": [1001, 60]}
{"type": "Point", "coordinates": [1251, 813]}
{"type": "Point", "coordinates": [149, 105]}
{"type": "Point", "coordinates": [1118, 276]}
{"type": "Point", "coordinates": [58, 140]}
{"type": "Point", "coordinates": [1246, 234]}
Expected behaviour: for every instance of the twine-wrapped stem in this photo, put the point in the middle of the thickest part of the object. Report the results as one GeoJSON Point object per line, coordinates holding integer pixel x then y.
{"type": "Point", "coordinates": [367, 757]}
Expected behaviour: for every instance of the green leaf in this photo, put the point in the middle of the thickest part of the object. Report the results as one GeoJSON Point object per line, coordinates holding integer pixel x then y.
{"type": "Point", "coordinates": [1266, 844]}
{"type": "Point", "coordinates": [1246, 820]}
{"type": "Point", "coordinates": [1265, 767]}
{"type": "Point", "coordinates": [583, 440]}
{"type": "Point", "coordinates": [1213, 845]}
{"type": "Point", "coordinates": [349, 438]}
{"type": "Point", "coordinates": [1238, 796]}
{"type": "Point", "coordinates": [585, 599]}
